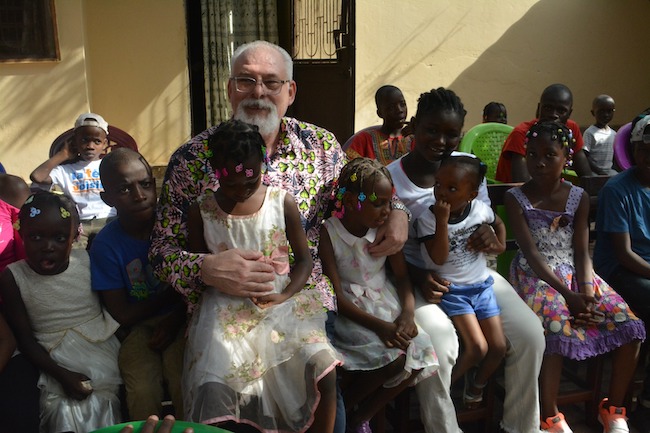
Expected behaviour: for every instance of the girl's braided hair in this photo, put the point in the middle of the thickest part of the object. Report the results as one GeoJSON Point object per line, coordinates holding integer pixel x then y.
{"type": "Point", "coordinates": [360, 174]}
{"type": "Point", "coordinates": [475, 165]}
{"type": "Point", "coordinates": [235, 141]}
{"type": "Point", "coordinates": [556, 131]}
{"type": "Point", "coordinates": [47, 200]}
{"type": "Point", "coordinates": [358, 177]}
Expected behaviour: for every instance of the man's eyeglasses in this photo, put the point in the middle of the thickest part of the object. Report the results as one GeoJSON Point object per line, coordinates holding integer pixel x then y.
{"type": "Point", "coordinates": [248, 84]}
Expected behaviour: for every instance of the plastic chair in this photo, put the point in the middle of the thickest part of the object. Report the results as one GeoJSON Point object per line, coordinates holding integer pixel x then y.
{"type": "Point", "coordinates": [116, 138]}
{"type": "Point", "coordinates": [178, 427]}
{"type": "Point", "coordinates": [622, 148]}
{"type": "Point", "coordinates": [486, 141]}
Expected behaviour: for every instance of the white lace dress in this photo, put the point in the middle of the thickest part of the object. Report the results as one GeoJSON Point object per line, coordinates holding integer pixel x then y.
{"type": "Point", "coordinates": [364, 282]}
{"type": "Point", "coordinates": [247, 364]}
{"type": "Point", "coordinates": [68, 321]}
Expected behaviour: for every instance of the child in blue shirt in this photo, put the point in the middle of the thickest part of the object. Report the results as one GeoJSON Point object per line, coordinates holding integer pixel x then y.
{"type": "Point", "coordinates": [150, 313]}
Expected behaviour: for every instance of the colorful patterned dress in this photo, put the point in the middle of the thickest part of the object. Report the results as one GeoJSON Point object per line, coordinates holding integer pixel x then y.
{"type": "Point", "coordinates": [364, 283]}
{"type": "Point", "coordinates": [248, 364]}
{"type": "Point", "coordinates": [553, 235]}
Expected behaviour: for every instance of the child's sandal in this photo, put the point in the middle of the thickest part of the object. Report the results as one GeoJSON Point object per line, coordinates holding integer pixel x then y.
{"type": "Point", "coordinates": [471, 400]}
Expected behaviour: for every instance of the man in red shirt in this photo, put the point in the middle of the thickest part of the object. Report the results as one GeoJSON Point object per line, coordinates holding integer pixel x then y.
{"type": "Point", "coordinates": [555, 104]}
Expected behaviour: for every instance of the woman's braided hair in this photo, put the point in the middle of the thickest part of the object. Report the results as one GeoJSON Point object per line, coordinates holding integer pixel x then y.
{"type": "Point", "coordinates": [440, 99]}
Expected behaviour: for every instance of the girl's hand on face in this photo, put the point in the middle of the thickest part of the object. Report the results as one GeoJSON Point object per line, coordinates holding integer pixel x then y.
{"type": "Point", "coordinates": [441, 209]}
{"type": "Point", "coordinates": [76, 385]}
{"type": "Point", "coordinates": [406, 326]}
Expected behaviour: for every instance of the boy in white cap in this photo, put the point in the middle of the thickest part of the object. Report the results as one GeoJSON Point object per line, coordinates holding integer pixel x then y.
{"type": "Point", "coordinates": [622, 251]}
{"type": "Point", "coordinates": [74, 169]}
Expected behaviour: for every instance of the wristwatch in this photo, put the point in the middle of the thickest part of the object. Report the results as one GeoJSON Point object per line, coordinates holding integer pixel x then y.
{"type": "Point", "coordinates": [396, 204]}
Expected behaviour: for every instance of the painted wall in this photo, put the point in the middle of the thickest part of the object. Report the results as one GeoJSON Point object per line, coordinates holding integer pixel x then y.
{"type": "Point", "coordinates": [41, 100]}
{"type": "Point", "coordinates": [138, 73]}
{"type": "Point", "coordinates": [504, 50]}
{"type": "Point", "coordinates": [122, 59]}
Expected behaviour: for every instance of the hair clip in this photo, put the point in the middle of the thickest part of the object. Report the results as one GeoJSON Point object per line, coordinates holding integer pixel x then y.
{"type": "Point", "coordinates": [373, 196]}
{"type": "Point", "coordinates": [239, 167]}
{"type": "Point", "coordinates": [249, 172]}
{"type": "Point", "coordinates": [362, 196]}
{"type": "Point", "coordinates": [16, 225]}
{"type": "Point", "coordinates": [33, 212]}
{"type": "Point", "coordinates": [353, 178]}
{"type": "Point", "coordinates": [339, 194]}
{"type": "Point", "coordinates": [358, 205]}
{"type": "Point", "coordinates": [64, 213]}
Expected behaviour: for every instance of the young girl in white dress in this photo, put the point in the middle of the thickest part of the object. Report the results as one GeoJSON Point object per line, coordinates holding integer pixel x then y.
{"type": "Point", "coordinates": [262, 361]}
{"type": "Point", "coordinates": [59, 322]}
{"type": "Point", "coordinates": [383, 349]}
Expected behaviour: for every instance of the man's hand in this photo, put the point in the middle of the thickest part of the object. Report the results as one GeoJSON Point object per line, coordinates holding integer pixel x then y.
{"type": "Point", "coordinates": [238, 273]}
{"type": "Point", "coordinates": [150, 426]}
{"type": "Point", "coordinates": [433, 288]}
{"type": "Point", "coordinates": [391, 236]}
{"type": "Point", "coordinates": [483, 240]}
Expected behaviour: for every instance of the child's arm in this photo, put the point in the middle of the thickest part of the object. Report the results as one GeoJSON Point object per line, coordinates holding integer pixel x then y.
{"type": "Point", "coordinates": [405, 321]}
{"type": "Point", "coordinates": [575, 302]}
{"type": "Point", "coordinates": [14, 308]}
{"type": "Point", "coordinates": [385, 331]}
{"type": "Point", "coordinates": [500, 232]}
{"type": "Point", "coordinates": [7, 343]}
{"type": "Point", "coordinates": [581, 257]}
{"type": "Point", "coordinates": [195, 240]}
{"type": "Point", "coordinates": [303, 262]}
{"type": "Point", "coordinates": [438, 245]}
{"type": "Point", "coordinates": [42, 173]}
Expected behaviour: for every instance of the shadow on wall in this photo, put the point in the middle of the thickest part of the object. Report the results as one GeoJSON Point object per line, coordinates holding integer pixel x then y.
{"type": "Point", "coordinates": [589, 45]}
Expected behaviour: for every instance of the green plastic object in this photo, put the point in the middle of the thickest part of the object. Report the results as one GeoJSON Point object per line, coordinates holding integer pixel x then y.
{"type": "Point", "coordinates": [178, 427]}
{"type": "Point", "coordinates": [486, 141]}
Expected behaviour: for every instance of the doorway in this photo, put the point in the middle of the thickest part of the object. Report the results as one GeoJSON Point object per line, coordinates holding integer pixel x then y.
{"type": "Point", "coordinates": [319, 35]}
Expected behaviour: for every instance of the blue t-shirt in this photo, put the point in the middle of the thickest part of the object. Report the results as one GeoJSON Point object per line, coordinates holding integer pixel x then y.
{"type": "Point", "coordinates": [623, 207]}
{"type": "Point", "coordinates": [119, 261]}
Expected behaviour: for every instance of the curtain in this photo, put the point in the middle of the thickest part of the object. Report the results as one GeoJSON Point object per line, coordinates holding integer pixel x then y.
{"type": "Point", "coordinates": [227, 24]}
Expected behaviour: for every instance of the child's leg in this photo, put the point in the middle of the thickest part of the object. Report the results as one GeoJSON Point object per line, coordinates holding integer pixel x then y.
{"type": "Point", "coordinates": [623, 368]}
{"type": "Point", "coordinates": [496, 340]}
{"type": "Point", "coordinates": [474, 344]}
{"type": "Point", "coordinates": [360, 384]}
{"type": "Point", "coordinates": [325, 413]}
{"type": "Point", "coordinates": [378, 399]}
{"type": "Point", "coordinates": [549, 379]}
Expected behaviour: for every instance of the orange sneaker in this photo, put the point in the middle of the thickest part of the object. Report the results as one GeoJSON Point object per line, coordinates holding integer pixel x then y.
{"type": "Point", "coordinates": [613, 418]}
{"type": "Point", "coordinates": [556, 424]}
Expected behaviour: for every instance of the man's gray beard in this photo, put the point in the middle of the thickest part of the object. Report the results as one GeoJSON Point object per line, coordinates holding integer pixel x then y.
{"type": "Point", "coordinates": [268, 125]}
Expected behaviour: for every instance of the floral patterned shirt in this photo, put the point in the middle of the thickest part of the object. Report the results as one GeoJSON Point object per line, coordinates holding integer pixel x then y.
{"type": "Point", "coordinates": [306, 162]}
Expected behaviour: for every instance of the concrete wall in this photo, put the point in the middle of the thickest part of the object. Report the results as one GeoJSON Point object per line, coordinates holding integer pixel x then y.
{"type": "Point", "coordinates": [126, 60]}
{"type": "Point", "coordinates": [504, 50]}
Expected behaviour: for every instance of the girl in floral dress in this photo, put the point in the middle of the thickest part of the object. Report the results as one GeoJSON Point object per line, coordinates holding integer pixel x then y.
{"type": "Point", "coordinates": [264, 361]}
{"type": "Point", "coordinates": [582, 316]}
{"type": "Point", "coordinates": [383, 349]}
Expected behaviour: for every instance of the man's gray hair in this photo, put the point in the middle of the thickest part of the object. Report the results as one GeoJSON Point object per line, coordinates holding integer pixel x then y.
{"type": "Point", "coordinates": [288, 62]}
